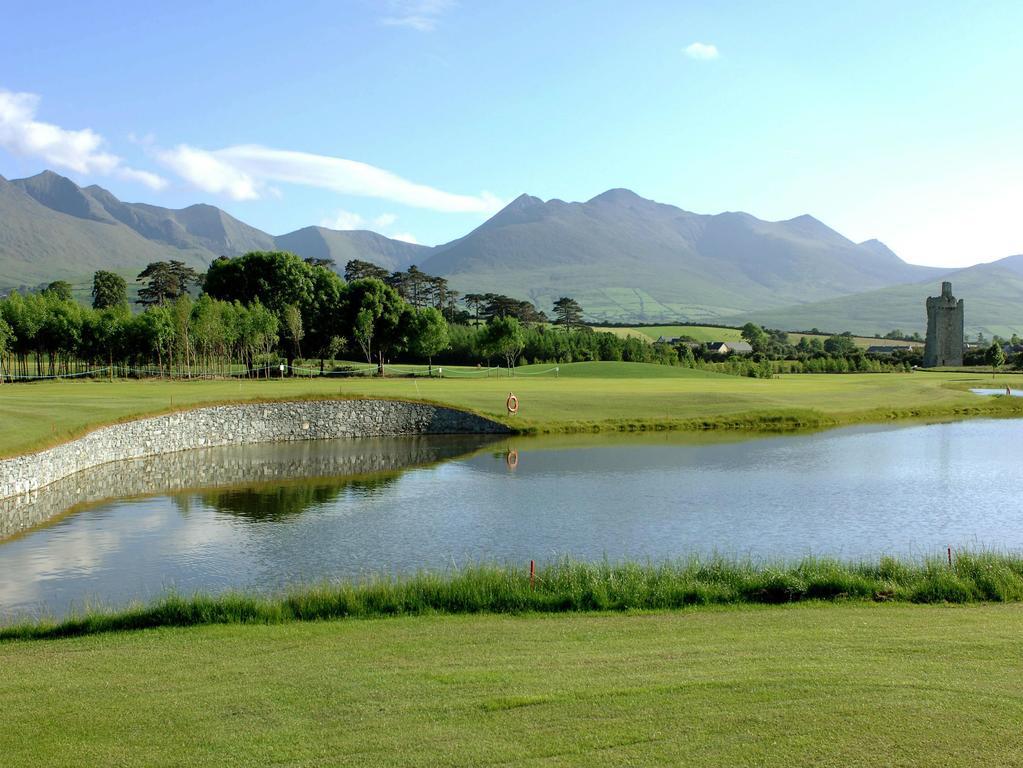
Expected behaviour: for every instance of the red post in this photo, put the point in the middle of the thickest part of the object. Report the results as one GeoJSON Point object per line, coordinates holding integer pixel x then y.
{"type": "Point", "coordinates": [532, 575]}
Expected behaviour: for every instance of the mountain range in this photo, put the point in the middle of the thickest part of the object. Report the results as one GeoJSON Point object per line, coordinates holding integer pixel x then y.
{"type": "Point", "coordinates": [623, 257]}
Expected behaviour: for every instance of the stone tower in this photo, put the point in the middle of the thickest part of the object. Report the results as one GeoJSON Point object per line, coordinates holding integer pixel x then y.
{"type": "Point", "coordinates": [944, 329]}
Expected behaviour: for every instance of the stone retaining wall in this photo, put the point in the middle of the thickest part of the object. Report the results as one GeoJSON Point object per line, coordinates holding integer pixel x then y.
{"type": "Point", "coordinates": [235, 425]}
{"type": "Point", "coordinates": [210, 470]}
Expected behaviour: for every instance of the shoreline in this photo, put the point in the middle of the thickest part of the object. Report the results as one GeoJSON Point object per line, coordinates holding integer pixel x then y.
{"type": "Point", "coordinates": [779, 420]}
{"type": "Point", "coordinates": [576, 588]}
{"type": "Point", "coordinates": [216, 425]}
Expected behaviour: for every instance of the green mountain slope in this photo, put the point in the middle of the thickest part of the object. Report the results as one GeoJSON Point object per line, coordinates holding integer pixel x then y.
{"type": "Point", "coordinates": [627, 258]}
{"type": "Point", "coordinates": [50, 229]}
{"type": "Point", "coordinates": [323, 243]}
{"type": "Point", "coordinates": [992, 295]}
{"type": "Point", "coordinates": [39, 244]}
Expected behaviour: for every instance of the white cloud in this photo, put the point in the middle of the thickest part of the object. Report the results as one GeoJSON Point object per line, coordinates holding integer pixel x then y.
{"type": "Point", "coordinates": [241, 172]}
{"type": "Point", "coordinates": [151, 180]}
{"type": "Point", "coordinates": [347, 220]}
{"type": "Point", "coordinates": [702, 51]}
{"type": "Point", "coordinates": [80, 151]}
{"type": "Point", "coordinates": [210, 174]}
{"type": "Point", "coordinates": [344, 220]}
{"type": "Point", "coordinates": [421, 15]}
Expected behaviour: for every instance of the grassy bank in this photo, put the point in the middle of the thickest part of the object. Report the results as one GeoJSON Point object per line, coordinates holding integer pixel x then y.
{"type": "Point", "coordinates": [851, 685]}
{"type": "Point", "coordinates": [575, 587]}
{"type": "Point", "coordinates": [584, 397]}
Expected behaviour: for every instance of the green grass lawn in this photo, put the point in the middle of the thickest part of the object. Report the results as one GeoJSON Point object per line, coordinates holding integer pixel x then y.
{"type": "Point", "coordinates": [809, 685]}
{"type": "Point", "coordinates": [585, 396]}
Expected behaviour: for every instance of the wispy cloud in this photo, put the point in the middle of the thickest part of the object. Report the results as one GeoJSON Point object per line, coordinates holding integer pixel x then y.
{"type": "Point", "coordinates": [405, 237]}
{"type": "Point", "coordinates": [346, 220]}
{"type": "Point", "coordinates": [78, 150]}
{"type": "Point", "coordinates": [242, 172]}
{"type": "Point", "coordinates": [209, 173]}
{"type": "Point", "coordinates": [702, 51]}
{"type": "Point", "coordinates": [350, 220]}
{"type": "Point", "coordinates": [421, 15]}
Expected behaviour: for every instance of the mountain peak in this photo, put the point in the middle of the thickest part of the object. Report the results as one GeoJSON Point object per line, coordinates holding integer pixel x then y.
{"type": "Point", "coordinates": [523, 201]}
{"type": "Point", "coordinates": [61, 194]}
{"type": "Point", "coordinates": [618, 196]}
{"type": "Point", "coordinates": [806, 219]}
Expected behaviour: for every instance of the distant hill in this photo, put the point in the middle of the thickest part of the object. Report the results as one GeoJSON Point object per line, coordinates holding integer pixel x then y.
{"type": "Point", "coordinates": [623, 257]}
{"type": "Point", "coordinates": [627, 258]}
{"type": "Point", "coordinates": [50, 228]}
{"type": "Point", "coordinates": [993, 296]}
{"type": "Point", "coordinates": [342, 246]}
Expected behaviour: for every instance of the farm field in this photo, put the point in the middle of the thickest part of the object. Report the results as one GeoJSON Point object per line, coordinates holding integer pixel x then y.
{"type": "Point", "coordinates": [832, 685]}
{"type": "Point", "coordinates": [580, 396]}
{"type": "Point", "coordinates": [704, 333]}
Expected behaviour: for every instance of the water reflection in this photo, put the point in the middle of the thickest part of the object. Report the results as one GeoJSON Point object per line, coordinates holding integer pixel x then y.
{"type": "Point", "coordinates": [276, 503]}
{"type": "Point", "coordinates": [367, 461]}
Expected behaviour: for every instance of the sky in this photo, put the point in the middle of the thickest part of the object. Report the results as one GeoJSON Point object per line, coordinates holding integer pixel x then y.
{"type": "Point", "coordinates": [421, 118]}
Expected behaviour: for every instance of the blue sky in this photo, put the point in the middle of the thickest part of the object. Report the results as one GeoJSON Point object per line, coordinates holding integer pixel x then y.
{"type": "Point", "coordinates": [419, 118]}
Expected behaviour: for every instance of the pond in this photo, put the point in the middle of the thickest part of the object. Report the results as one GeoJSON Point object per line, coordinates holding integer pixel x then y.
{"type": "Point", "coordinates": [1000, 391]}
{"type": "Point", "coordinates": [271, 516]}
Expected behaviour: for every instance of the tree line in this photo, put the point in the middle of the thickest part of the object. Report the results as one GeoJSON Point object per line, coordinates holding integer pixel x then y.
{"type": "Point", "coordinates": [255, 310]}
{"type": "Point", "coordinates": [250, 312]}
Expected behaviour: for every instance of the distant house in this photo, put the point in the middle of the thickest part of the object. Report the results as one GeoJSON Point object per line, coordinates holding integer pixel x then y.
{"type": "Point", "coordinates": [883, 349]}
{"type": "Point", "coordinates": [730, 348]}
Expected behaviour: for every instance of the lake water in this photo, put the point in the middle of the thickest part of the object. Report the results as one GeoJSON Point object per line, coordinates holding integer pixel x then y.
{"type": "Point", "coordinates": [266, 517]}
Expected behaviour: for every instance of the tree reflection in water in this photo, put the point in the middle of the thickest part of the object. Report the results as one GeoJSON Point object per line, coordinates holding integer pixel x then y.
{"type": "Point", "coordinates": [281, 502]}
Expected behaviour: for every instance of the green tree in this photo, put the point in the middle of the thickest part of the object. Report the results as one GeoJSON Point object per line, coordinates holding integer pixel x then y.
{"type": "Point", "coordinates": [568, 313]}
{"type": "Point", "coordinates": [374, 313]}
{"type": "Point", "coordinates": [323, 318]}
{"type": "Point", "coordinates": [841, 345]}
{"type": "Point", "coordinates": [109, 290]}
{"type": "Point", "coordinates": [165, 281]}
{"type": "Point", "coordinates": [756, 337]}
{"type": "Point", "coordinates": [427, 334]}
{"type": "Point", "coordinates": [106, 330]}
{"type": "Point", "coordinates": [156, 327]}
{"type": "Point", "coordinates": [473, 302]}
{"type": "Point", "coordinates": [181, 314]}
{"type": "Point", "coordinates": [356, 269]}
{"type": "Point", "coordinates": [275, 278]}
{"type": "Point", "coordinates": [6, 342]}
{"type": "Point", "coordinates": [504, 336]}
{"type": "Point", "coordinates": [995, 356]}
{"type": "Point", "coordinates": [258, 331]}
{"type": "Point", "coordinates": [60, 289]}
{"type": "Point", "coordinates": [293, 332]}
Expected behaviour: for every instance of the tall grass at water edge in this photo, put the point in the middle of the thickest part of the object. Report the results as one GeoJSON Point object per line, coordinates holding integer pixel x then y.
{"type": "Point", "coordinates": [572, 586]}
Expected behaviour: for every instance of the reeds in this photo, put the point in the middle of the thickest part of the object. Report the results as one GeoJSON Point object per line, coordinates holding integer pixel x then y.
{"type": "Point", "coordinates": [567, 586]}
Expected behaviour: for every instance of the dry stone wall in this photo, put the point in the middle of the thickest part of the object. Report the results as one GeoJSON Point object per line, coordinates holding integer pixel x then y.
{"type": "Point", "coordinates": [235, 425]}
{"type": "Point", "coordinates": [226, 467]}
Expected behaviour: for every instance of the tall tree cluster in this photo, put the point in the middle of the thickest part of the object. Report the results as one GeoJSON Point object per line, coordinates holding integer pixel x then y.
{"type": "Point", "coordinates": [248, 312]}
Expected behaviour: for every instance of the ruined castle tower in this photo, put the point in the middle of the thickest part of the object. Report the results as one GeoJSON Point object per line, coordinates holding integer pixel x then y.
{"type": "Point", "coordinates": [944, 329]}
